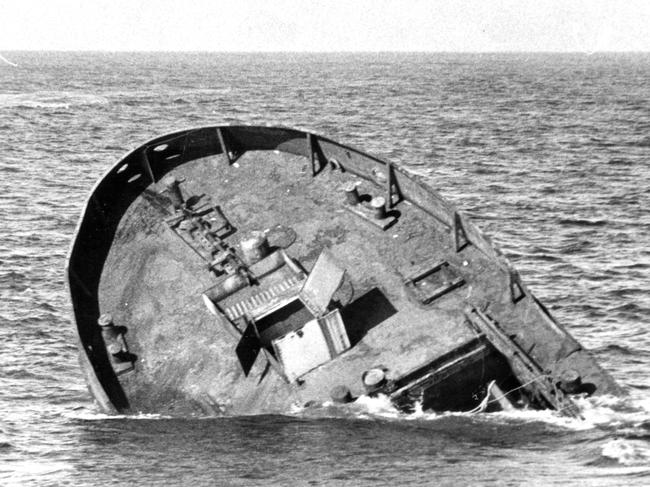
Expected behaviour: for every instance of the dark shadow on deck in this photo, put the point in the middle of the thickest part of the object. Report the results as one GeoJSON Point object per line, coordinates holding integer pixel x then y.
{"type": "Point", "coordinates": [248, 349]}
{"type": "Point", "coordinates": [366, 312]}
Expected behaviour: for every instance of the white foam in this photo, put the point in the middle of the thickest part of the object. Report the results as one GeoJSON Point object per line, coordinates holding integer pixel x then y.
{"type": "Point", "coordinates": [364, 407]}
{"type": "Point", "coordinates": [602, 412]}
{"type": "Point", "coordinates": [380, 406]}
{"type": "Point", "coordinates": [50, 100]}
{"type": "Point", "coordinates": [609, 411]}
{"type": "Point", "coordinates": [628, 452]}
{"type": "Point", "coordinates": [89, 415]}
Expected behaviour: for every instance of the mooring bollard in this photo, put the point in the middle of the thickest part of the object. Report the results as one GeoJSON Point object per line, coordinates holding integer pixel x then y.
{"type": "Point", "coordinates": [341, 394]}
{"type": "Point", "coordinates": [378, 204]}
{"type": "Point", "coordinates": [351, 193]}
{"type": "Point", "coordinates": [254, 247]}
{"type": "Point", "coordinates": [373, 380]}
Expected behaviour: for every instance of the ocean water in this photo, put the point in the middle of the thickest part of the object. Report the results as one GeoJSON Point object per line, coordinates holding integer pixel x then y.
{"type": "Point", "coordinates": [548, 153]}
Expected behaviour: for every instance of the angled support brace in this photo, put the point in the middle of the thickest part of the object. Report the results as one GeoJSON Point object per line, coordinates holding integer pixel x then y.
{"type": "Point", "coordinates": [460, 237]}
{"type": "Point", "coordinates": [224, 147]}
{"type": "Point", "coordinates": [315, 154]}
{"type": "Point", "coordinates": [146, 166]}
{"type": "Point", "coordinates": [517, 292]}
{"type": "Point", "coordinates": [393, 192]}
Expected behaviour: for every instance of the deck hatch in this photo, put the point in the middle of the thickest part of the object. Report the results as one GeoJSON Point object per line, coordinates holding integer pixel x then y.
{"type": "Point", "coordinates": [430, 280]}
{"type": "Point", "coordinates": [323, 281]}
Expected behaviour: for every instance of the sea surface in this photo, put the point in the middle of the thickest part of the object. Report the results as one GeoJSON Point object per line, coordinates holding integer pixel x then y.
{"type": "Point", "coordinates": [548, 153]}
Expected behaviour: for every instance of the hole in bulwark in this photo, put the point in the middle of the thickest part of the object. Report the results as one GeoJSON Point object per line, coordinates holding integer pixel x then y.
{"type": "Point", "coordinates": [122, 168]}
{"type": "Point", "coordinates": [134, 178]}
{"type": "Point", "coordinates": [160, 148]}
{"type": "Point", "coordinates": [172, 157]}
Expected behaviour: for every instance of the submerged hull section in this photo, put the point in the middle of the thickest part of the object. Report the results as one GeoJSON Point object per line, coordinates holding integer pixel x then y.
{"type": "Point", "coordinates": [243, 270]}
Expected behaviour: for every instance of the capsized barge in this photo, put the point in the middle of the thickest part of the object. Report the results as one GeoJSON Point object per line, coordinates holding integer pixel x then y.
{"type": "Point", "coordinates": [247, 269]}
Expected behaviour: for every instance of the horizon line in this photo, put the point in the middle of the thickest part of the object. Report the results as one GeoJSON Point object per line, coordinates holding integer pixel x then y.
{"type": "Point", "coordinates": [401, 51]}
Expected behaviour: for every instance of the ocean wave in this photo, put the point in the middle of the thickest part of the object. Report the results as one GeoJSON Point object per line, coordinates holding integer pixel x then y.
{"type": "Point", "coordinates": [618, 161]}
{"type": "Point", "coordinates": [644, 142]}
{"type": "Point", "coordinates": [628, 308]}
{"type": "Point", "coordinates": [582, 222]}
{"type": "Point", "coordinates": [617, 349]}
{"type": "Point", "coordinates": [29, 472]}
{"type": "Point", "coordinates": [50, 100]}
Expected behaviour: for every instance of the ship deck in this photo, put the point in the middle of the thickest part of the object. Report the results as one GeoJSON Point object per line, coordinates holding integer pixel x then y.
{"type": "Point", "coordinates": [185, 360]}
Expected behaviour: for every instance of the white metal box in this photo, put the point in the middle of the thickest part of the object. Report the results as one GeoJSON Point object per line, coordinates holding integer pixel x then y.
{"type": "Point", "coordinates": [317, 342]}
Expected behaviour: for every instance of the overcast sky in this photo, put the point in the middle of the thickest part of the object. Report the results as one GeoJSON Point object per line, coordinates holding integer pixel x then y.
{"type": "Point", "coordinates": [334, 25]}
